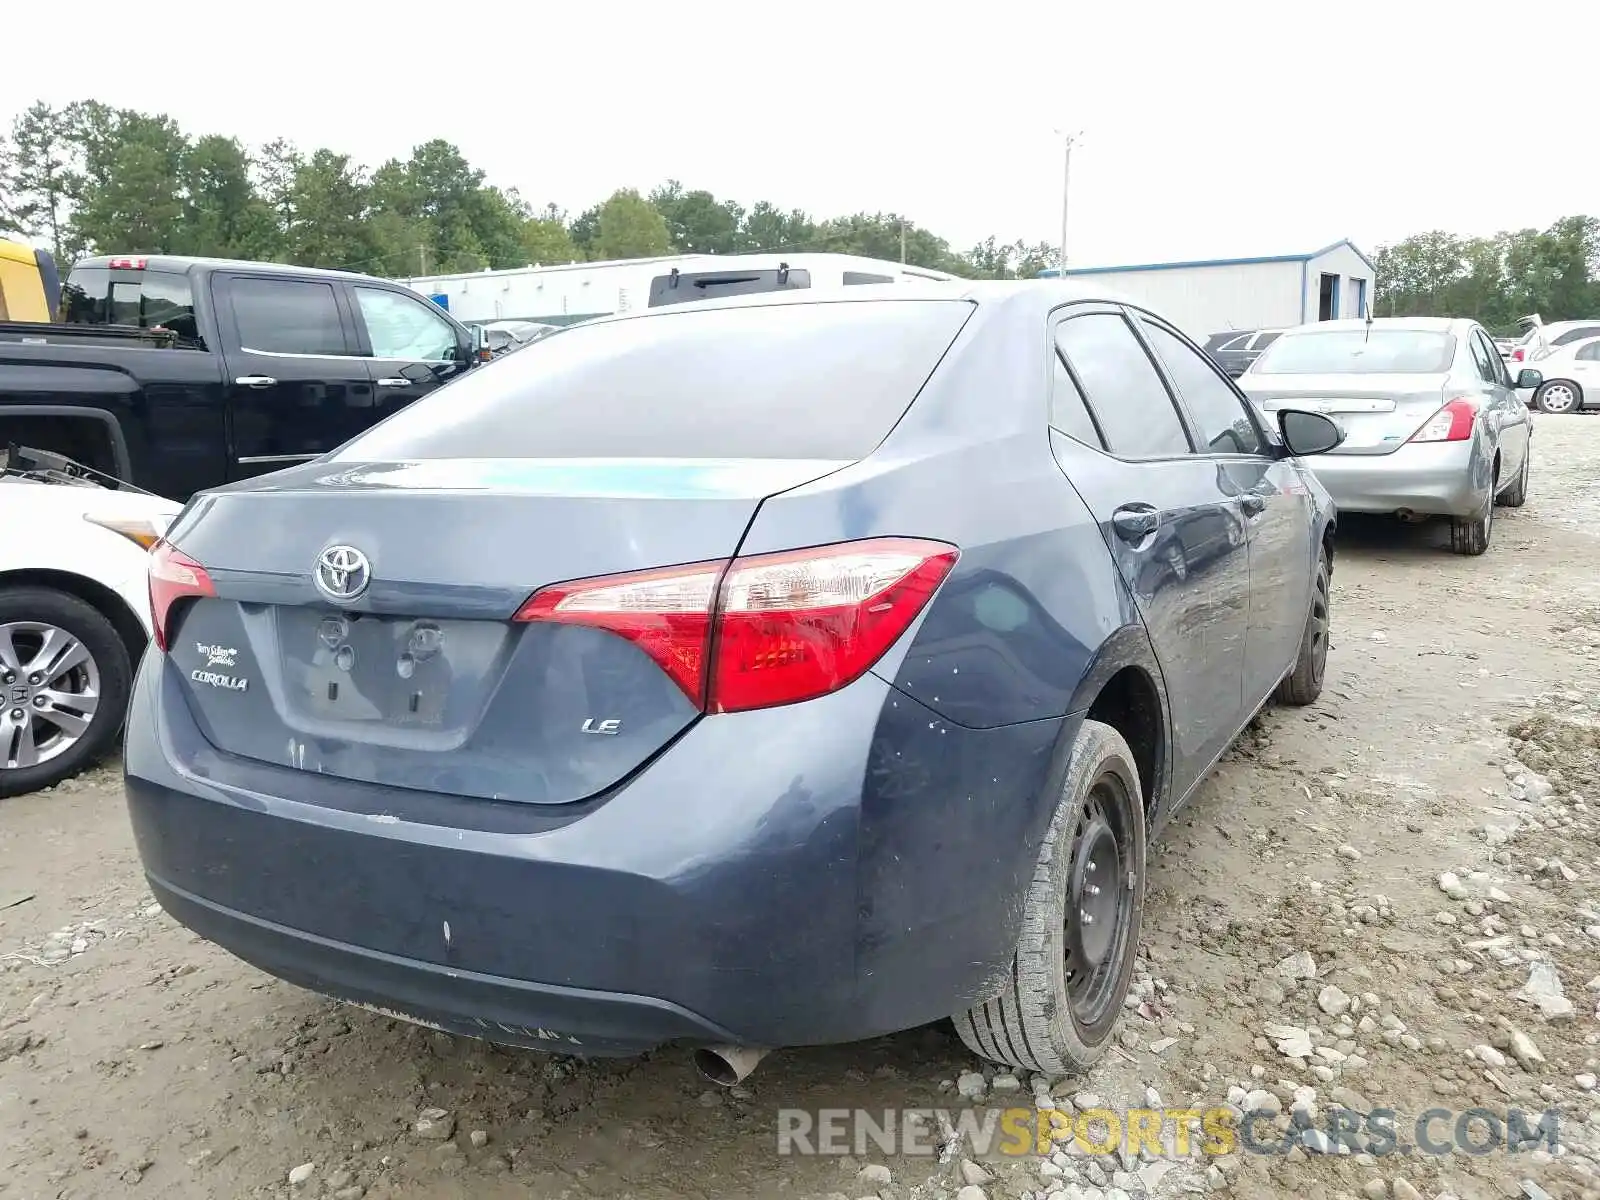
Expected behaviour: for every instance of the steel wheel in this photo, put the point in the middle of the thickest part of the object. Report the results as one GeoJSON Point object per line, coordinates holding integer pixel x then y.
{"type": "Point", "coordinates": [50, 684]}
{"type": "Point", "coordinates": [1100, 903]}
{"type": "Point", "coordinates": [1557, 398]}
{"type": "Point", "coordinates": [1319, 628]}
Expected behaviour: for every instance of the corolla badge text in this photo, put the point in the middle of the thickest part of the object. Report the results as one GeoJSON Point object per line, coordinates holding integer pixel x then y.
{"type": "Point", "coordinates": [231, 683]}
{"type": "Point", "coordinates": [218, 656]}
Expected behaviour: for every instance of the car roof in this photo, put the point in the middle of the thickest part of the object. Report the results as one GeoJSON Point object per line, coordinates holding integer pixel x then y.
{"type": "Point", "coordinates": [1023, 297]}
{"type": "Point", "coordinates": [184, 264]}
{"type": "Point", "coordinates": [1456, 325]}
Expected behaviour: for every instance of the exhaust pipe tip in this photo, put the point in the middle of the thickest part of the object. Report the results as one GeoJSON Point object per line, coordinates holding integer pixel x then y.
{"type": "Point", "coordinates": [727, 1065]}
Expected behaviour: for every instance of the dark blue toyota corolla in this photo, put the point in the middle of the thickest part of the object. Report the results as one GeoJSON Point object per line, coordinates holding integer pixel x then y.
{"type": "Point", "coordinates": [762, 672]}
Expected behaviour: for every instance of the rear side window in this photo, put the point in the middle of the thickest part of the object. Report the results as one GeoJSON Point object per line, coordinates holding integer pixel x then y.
{"type": "Point", "coordinates": [824, 381]}
{"type": "Point", "coordinates": [680, 287]}
{"type": "Point", "coordinates": [1130, 403]}
{"type": "Point", "coordinates": [1232, 340]}
{"type": "Point", "coordinates": [1263, 340]}
{"type": "Point", "coordinates": [1483, 358]}
{"type": "Point", "coordinates": [287, 316]}
{"type": "Point", "coordinates": [1589, 353]}
{"type": "Point", "coordinates": [1069, 412]}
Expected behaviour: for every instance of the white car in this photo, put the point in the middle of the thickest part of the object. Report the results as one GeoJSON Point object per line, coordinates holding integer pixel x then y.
{"type": "Point", "coordinates": [74, 619]}
{"type": "Point", "coordinates": [1571, 378]}
{"type": "Point", "coordinates": [1541, 338]}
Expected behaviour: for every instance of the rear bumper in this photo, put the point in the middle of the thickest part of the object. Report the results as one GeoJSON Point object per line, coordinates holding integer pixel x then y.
{"type": "Point", "coordinates": [818, 873]}
{"type": "Point", "coordinates": [1434, 479]}
{"type": "Point", "coordinates": [509, 1011]}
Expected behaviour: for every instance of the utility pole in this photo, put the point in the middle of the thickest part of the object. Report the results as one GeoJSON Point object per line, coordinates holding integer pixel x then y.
{"type": "Point", "coordinates": [902, 241]}
{"type": "Point", "coordinates": [1066, 192]}
{"type": "Point", "coordinates": [422, 259]}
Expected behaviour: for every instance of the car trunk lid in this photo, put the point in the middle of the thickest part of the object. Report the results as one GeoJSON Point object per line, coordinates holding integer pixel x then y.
{"type": "Point", "coordinates": [1377, 412]}
{"type": "Point", "coordinates": [422, 680]}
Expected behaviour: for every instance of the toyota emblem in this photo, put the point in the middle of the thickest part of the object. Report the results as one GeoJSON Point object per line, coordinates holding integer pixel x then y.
{"type": "Point", "coordinates": [342, 573]}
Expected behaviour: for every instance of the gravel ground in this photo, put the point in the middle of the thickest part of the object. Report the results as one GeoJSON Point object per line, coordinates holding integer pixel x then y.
{"type": "Point", "coordinates": [1419, 842]}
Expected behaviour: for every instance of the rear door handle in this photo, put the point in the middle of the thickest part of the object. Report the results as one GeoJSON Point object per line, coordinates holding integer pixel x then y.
{"type": "Point", "coordinates": [256, 381]}
{"type": "Point", "coordinates": [393, 381]}
{"type": "Point", "coordinates": [1252, 504]}
{"type": "Point", "coordinates": [1135, 522]}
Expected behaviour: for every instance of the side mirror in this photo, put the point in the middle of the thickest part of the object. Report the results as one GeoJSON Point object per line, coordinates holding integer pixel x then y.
{"type": "Point", "coordinates": [1308, 432]}
{"type": "Point", "coordinates": [1529, 378]}
{"type": "Point", "coordinates": [478, 348]}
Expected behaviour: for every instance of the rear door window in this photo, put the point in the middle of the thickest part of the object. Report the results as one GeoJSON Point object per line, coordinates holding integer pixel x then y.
{"type": "Point", "coordinates": [822, 381]}
{"type": "Point", "coordinates": [287, 316]}
{"type": "Point", "coordinates": [681, 287]}
{"type": "Point", "coordinates": [1131, 404]}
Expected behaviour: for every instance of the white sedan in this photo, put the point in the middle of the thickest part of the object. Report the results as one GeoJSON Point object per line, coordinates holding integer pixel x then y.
{"type": "Point", "coordinates": [1571, 378]}
{"type": "Point", "coordinates": [74, 619]}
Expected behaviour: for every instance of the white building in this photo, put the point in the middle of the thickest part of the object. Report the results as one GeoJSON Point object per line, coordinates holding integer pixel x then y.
{"type": "Point", "coordinates": [1215, 295]}
{"type": "Point", "coordinates": [573, 292]}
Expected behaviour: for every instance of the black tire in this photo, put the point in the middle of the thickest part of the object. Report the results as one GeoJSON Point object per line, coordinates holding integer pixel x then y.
{"type": "Point", "coordinates": [1558, 396]}
{"type": "Point", "coordinates": [1303, 685]}
{"type": "Point", "coordinates": [1516, 495]}
{"type": "Point", "coordinates": [1035, 1023]}
{"type": "Point", "coordinates": [109, 658]}
{"type": "Point", "coordinates": [1470, 535]}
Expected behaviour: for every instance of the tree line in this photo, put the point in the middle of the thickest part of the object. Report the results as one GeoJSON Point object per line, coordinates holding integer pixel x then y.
{"type": "Point", "coordinates": [88, 178]}
{"type": "Point", "coordinates": [1496, 280]}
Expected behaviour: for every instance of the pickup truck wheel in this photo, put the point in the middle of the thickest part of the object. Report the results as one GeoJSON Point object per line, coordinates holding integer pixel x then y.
{"type": "Point", "coordinates": [1080, 921]}
{"type": "Point", "coordinates": [64, 683]}
{"type": "Point", "coordinates": [1304, 684]}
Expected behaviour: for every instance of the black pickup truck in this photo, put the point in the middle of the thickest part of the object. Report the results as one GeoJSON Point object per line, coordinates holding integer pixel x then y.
{"type": "Point", "coordinates": [179, 374]}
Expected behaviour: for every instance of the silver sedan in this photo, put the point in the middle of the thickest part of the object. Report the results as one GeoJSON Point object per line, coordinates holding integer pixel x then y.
{"type": "Point", "coordinates": [1433, 424]}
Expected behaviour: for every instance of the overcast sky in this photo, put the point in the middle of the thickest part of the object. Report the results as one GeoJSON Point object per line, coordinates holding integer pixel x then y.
{"type": "Point", "coordinates": [1225, 128]}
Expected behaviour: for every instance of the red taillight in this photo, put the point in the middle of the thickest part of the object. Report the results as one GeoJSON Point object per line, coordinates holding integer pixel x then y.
{"type": "Point", "coordinates": [763, 630]}
{"type": "Point", "coordinates": [174, 576]}
{"type": "Point", "coordinates": [127, 264]}
{"type": "Point", "coordinates": [1452, 423]}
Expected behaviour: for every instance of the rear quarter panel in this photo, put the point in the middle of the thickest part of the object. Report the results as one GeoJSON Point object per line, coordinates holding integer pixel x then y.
{"type": "Point", "coordinates": [1031, 620]}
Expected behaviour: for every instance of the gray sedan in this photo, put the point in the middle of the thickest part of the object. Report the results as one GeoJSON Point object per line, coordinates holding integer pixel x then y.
{"type": "Point", "coordinates": [1433, 425]}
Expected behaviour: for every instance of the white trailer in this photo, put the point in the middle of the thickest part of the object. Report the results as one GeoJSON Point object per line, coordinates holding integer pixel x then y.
{"type": "Point", "coordinates": [1215, 295]}
{"type": "Point", "coordinates": [562, 295]}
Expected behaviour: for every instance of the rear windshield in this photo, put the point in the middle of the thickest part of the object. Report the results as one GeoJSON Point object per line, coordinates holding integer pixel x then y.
{"type": "Point", "coordinates": [823, 381]}
{"type": "Point", "coordinates": [682, 286]}
{"type": "Point", "coordinates": [1359, 352]}
{"type": "Point", "coordinates": [1226, 341]}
